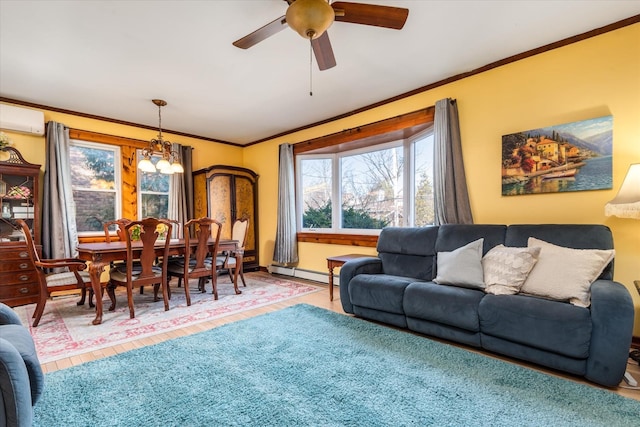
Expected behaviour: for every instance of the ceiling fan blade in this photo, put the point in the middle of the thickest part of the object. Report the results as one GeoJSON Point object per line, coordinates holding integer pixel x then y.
{"type": "Point", "coordinates": [323, 52]}
{"type": "Point", "coordinates": [262, 33]}
{"type": "Point", "coordinates": [369, 14]}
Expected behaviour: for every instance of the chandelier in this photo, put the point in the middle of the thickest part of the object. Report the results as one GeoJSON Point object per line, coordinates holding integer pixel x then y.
{"type": "Point", "coordinates": [169, 163]}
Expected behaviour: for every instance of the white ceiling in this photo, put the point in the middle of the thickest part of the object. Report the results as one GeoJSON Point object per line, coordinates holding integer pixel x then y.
{"type": "Point", "coordinates": [110, 58]}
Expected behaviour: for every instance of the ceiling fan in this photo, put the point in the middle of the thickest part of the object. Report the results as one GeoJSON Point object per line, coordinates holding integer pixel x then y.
{"type": "Point", "coordinates": [311, 18]}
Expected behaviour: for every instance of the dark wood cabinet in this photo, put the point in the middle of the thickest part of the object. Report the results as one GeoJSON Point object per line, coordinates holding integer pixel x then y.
{"type": "Point", "coordinates": [19, 199]}
{"type": "Point", "coordinates": [227, 193]}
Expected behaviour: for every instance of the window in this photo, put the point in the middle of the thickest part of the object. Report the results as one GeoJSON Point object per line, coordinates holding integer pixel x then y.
{"type": "Point", "coordinates": [154, 190]}
{"type": "Point", "coordinates": [366, 189]}
{"type": "Point", "coordinates": [96, 183]}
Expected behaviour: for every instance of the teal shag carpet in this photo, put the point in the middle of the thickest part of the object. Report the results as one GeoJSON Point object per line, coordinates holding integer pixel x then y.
{"type": "Point", "coordinates": [305, 366]}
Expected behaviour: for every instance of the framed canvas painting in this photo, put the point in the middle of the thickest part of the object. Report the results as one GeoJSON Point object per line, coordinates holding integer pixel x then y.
{"type": "Point", "coordinates": [569, 157]}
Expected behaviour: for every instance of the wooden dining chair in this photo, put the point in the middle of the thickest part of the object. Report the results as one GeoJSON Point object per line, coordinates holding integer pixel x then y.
{"type": "Point", "coordinates": [227, 260]}
{"type": "Point", "coordinates": [195, 264]}
{"type": "Point", "coordinates": [145, 251]}
{"type": "Point", "coordinates": [55, 281]}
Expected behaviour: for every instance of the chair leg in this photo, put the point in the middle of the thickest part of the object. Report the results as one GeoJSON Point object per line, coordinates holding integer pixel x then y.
{"type": "Point", "coordinates": [165, 295]}
{"type": "Point", "coordinates": [91, 304]}
{"type": "Point", "coordinates": [186, 292]}
{"type": "Point", "coordinates": [83, 297]}
{"type": "Point", "coordinates": [111, 291]}
{"type": "Point", "coordinates": [132, 313]}
{"type": "Point", "coordinates": [40, 308]}
{"type": "Point", "coordinates": [214, 282]}
{"type": "Point", "coordinates": [242, 277]}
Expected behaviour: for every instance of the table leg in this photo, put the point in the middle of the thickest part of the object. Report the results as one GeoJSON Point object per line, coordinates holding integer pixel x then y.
{"type": "Point", "coordinates": [330, 282]}
{"type": "Point", "coordinates": [95, 271]}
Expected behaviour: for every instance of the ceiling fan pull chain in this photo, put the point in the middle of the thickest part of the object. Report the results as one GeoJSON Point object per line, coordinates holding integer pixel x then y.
{"type": "Point", "coordinates": [310, 67]}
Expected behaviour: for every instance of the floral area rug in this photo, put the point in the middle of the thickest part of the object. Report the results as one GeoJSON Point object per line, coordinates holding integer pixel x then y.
{"type": "Point", "coordinates": [65, 329]}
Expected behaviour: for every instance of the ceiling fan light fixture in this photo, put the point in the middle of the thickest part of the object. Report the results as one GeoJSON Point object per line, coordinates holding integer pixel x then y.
{"type": "Point", "coordinates": [310, 18]}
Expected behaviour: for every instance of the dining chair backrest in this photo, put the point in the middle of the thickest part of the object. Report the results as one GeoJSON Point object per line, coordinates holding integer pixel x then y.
{"type": "Point", "coordinates": [240, 231]}
{"type": "Point", "coordinates": [120, 224]}
{"type": "Point", "coordinates": [150, 230]}
{"type": "Point", "coordinates": [31, 246]}
{"type": "Point", "coordinates": [202, 230]}
{"type": "Point", "coordinates": [54, 275]}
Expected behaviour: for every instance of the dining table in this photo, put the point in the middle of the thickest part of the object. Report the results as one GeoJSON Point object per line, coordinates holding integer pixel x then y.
{"type": "Point", "coordinates": [101, 254]}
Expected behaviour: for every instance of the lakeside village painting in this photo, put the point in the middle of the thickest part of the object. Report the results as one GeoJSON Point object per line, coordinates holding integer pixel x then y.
{"type": "Point", "coordinates": [570, 157]}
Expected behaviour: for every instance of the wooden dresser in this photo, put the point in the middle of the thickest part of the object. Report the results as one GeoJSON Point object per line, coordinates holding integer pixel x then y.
{"type": "Point", "coordinates": [18, 276]}
{"type": "Point", "coordinates": [19, 198]}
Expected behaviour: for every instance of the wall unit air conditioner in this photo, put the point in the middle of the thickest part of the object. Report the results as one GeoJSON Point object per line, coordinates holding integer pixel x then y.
{"type": "Point", "coordinates": [18, 119]}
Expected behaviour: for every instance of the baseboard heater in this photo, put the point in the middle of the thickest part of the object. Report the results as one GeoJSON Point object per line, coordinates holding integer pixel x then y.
{"type": "Point", "coordinates": [316, 276]}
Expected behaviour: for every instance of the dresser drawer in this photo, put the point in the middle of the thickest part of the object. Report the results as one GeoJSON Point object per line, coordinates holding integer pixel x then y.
{"type": "Point", "coordinates": [14, 254]}
{"type": "Point", "coordinates": [18, 277]}
{"type": "Point", "coordinates": [18, 291]}
{"type": "Point", "coordinates": [15, 265]}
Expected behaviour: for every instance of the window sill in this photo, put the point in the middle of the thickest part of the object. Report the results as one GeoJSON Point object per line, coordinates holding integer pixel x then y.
{"type": "Point", "coordinates": [369, 241]}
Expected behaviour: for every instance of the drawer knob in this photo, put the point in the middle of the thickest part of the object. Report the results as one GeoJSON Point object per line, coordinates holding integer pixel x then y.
{"type": "Point", "coordinates": [23, 278]}
{"type": "Point", "coordinates": [24, 254]}
{"type": "Point", "coordinates": [24, 266]}
{"type": "Point", "coordinates": [24, 290]}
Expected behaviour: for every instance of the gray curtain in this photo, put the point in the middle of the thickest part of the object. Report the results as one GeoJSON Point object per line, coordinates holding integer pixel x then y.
{"type": "Point", "coordinates": [286, 245]}
{"type": "Point", "coordinates": [181, 204]}
{"type": "Point", "coordinates": [451, 197]}
{"type": "Point", "coordinates": [59, 232]}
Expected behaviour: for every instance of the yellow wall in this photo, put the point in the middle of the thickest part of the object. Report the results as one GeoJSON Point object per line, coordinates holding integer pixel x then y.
{"type": "Point", "coordinates": [32, 147]}
{"type": "Point", "coordinates": [596, 77]}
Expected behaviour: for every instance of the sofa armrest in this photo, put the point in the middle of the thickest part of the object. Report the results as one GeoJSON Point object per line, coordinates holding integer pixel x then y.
{"type": "Point", "coordinates": [350, 269]}
{"type": "Point", "coordinates": [15, 390]}
{"type": "Point", "coordinates": [612, 322]}
{"type": "Point", "coordinates": [8, 316]}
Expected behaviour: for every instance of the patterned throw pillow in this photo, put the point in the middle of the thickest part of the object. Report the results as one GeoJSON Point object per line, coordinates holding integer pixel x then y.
{"type": "Point", "coordinates": [506, 268]}
{"type": "Point", "coordinates": [565, 274]}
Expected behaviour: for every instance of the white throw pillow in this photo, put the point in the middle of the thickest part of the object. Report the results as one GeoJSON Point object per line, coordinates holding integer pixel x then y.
{"type": "Point", "coordinates": [461, 267]}
{"type": "Point", "coordinates": [565, 274]}
{"type": "Point", "coordinates": [506, 268]}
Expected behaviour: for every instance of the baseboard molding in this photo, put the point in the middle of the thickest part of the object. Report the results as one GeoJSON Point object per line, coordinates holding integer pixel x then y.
{"type": "Point", "coordinates": [299, 273]}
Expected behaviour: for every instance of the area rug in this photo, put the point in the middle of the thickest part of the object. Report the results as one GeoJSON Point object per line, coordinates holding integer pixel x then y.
{"type": "Point", "coordinates": [303, 366]}
{"type": "Point", "coordinates": [66, 330]}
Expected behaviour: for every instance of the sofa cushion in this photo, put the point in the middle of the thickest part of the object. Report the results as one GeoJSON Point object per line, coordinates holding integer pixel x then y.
{"type": "Point", "coordinates": [565, 274]}
{"type": "Point", "coordinates": [448, 305]}
{"type": "Point", "coordinates": [506, 269]}
{"type": "Point", "coordinates": [15, 390]}
{"type": "Point", "coordinates": [544, 324]}
{"type": "Point", "coordinates": [408, 251]}
{"type": "Point", "coordinates": [21, 340]}
{"type": "Point", "coordinates": [382, 292]}
{"type": "Point", "coordinates": [462, 266]}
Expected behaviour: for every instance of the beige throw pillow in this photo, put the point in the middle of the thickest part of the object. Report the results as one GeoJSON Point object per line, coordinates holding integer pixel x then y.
{"type": "Point", "coordinates": [461, 267]}
{"type": "Point", "coordinates": [565, 274]}
{"type": "Point", "coordinates": [506, 268]}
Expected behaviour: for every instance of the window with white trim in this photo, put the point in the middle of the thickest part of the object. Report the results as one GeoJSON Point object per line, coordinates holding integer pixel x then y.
{"type": "Point", "coordinates": [154, 190]}
{"type": "Point", "coordinates": [97, 185]}
{"type": "Point", "coordinates": [366, 189]}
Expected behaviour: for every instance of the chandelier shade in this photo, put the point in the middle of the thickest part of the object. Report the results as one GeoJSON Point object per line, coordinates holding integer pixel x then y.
{"type": "Point", "coordinates": [169, 162]}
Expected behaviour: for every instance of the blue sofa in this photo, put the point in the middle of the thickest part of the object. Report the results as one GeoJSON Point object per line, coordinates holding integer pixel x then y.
{"type": "Point", "coordinates": [21, 377]}
{"type": "Point", "coordinates": [397, 287]}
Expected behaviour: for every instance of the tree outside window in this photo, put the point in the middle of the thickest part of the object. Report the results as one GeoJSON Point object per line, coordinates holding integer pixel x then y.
{"type": "Point", "coordinates": [95, 179]}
